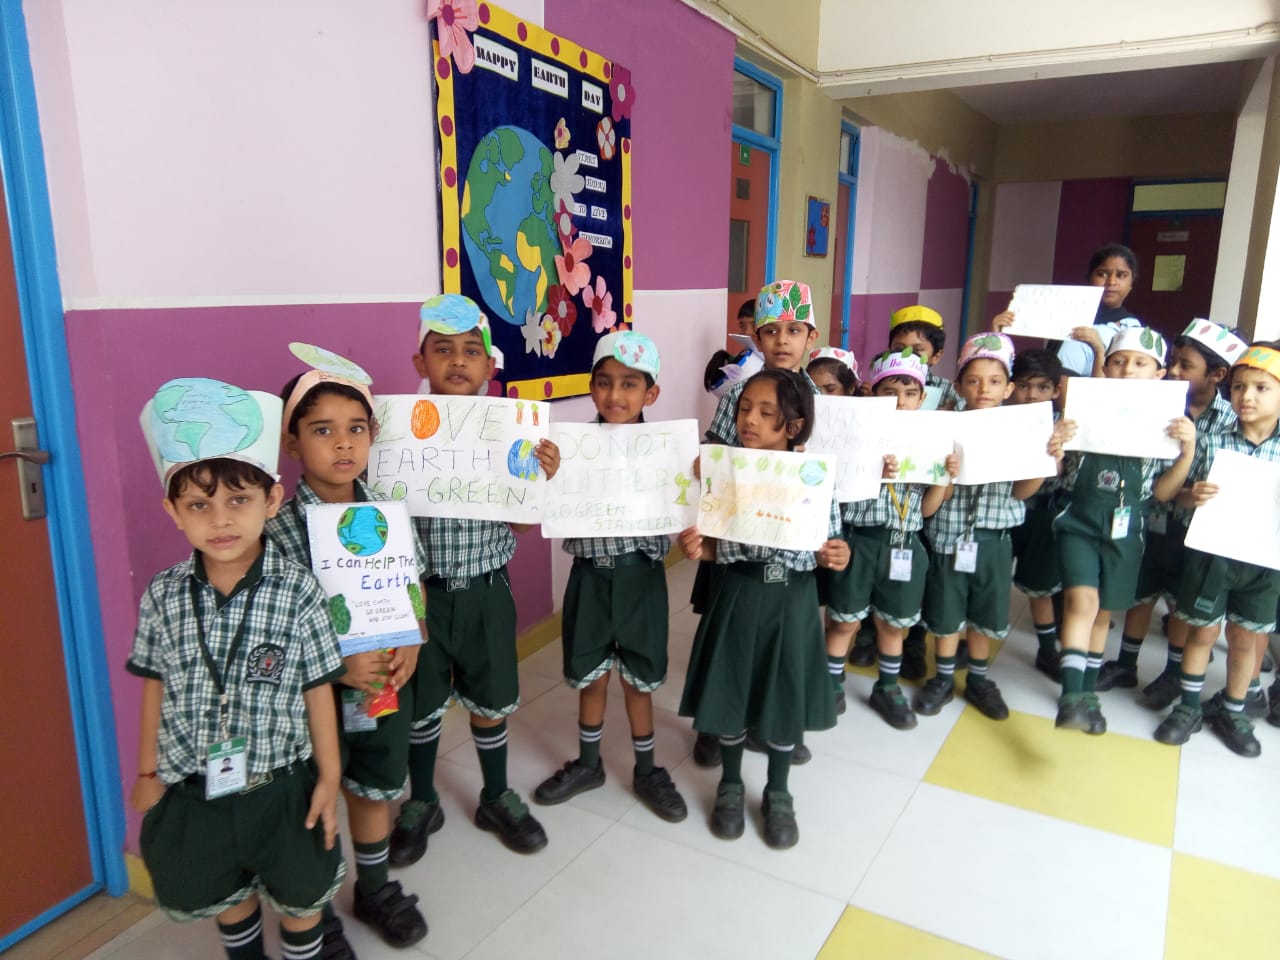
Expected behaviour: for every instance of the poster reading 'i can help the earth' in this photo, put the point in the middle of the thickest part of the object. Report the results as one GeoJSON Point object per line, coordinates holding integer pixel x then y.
{"type": "Point", "coordinates": [535, 184]}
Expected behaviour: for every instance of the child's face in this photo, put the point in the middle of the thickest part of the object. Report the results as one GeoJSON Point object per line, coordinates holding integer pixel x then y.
{"type": "Point", "coordinates": [1189, 365]}
{"type": "Point", "coordinates": [826, 380]}
{"type": "Point", "coordinates": [908, 393]}
{"type": "Point", "coordinates": [786, 345]}
{"type": "Point", "coordinates": [747, 324]}
{"type": "Point", "coordinates": [1034, 390]}
{"type": "Point", "coordinates": [332, 441]}
{"type": "Point", "coordinates": [759, 419]}
{"type": "Point", "coordinates": [226, 526]}
{"type": "Point", "coordinates": [1255, 397]}
{"type": "Point", "coordinates": [620, 393]}
{"type": "Point", "coordinates": [1131, 365]}
{"type": "Point", "coordinates": [917, 341]}
{"type": "Point", "coordinates": [456, 365]}
{"type": "Point", "coordinates": [984, 383]}
{"type": "Point", "coordinates": [1114, 274]}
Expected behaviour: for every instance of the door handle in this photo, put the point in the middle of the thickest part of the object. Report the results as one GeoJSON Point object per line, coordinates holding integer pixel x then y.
{"type": "Point", "coordinates": [30, 456]}
{"type": "Point", "coordinates": [30, 459]}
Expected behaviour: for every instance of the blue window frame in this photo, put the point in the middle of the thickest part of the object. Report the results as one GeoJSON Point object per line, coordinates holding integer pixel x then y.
{"type": "Point", "coordinates": [850, 153]}
{"type": "Point", "coordinates": [764, 134]}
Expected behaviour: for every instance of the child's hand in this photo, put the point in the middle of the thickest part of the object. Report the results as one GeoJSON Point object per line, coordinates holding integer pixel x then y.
{"type": "Point", "coordinates": [1001, 320]}
{"type": "Point", "coordinates": [147, 792]}
{"type": "Point", "coordinates": [890, 467]}
{"type": "Point", "coordinates": [952, 463]}
{"type": "Point", "coordinates": [1203, 492]}
{"type": "Point", "coordinates": [366, 669]}
{"type": "Point", "coordinates": [697, 468]}
{"type": "Point", "coordinates": [324, 810]}
{"type": "Point", "coordinates": [1184, 431]}
{"type": "Point", "coordinates": [548, 455]}
{"type": "Point", "coordinates": [1063, 431]}
{"type": "Point", "coordinates": [834, 554]}
{"type": "Point", "coordinates": [690, 541]}
{"type": "Point", "coordinates": [403, 662]}
{"type": "Point", "coordinates": [1089, 336]}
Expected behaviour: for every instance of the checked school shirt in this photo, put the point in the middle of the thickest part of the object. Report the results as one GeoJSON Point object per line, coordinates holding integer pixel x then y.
{"type": "Point", "coordinates": [458, 549]}
{"type": "Point", "coordinates": [731, 551]}
{"type": "Point", "coordinates": [881, 511]}
{"type": "Point", "coordinates": [1218, 417]}
{"type": "Point", "coordinates": [1210, 443]}
{"type": "Point", "coordinates": [288, 647]}
{"type": "Point", "coordinates": [992, 505]}
{"type": "Point", "coordinates": [724, 425]}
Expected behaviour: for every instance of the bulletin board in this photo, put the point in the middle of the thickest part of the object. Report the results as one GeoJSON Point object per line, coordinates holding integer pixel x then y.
{"type": "Point", "coordinates": [535, 186]}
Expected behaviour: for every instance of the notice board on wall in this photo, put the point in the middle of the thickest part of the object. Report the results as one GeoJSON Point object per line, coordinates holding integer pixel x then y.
{"type": "Point", "coordinates": [535, 185]}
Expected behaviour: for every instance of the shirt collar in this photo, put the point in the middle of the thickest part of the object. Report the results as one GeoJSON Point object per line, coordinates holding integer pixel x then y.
{"type": "Point", "coordinates": [268, 563]}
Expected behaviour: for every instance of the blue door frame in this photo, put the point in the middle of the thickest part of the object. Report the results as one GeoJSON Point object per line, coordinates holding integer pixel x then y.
{"type": "Point", "coordinates": [49, 375]}
{"type": "Point", "coordinates": [772, 145]}
{"type": "Point", "coordinates": [849, 178]}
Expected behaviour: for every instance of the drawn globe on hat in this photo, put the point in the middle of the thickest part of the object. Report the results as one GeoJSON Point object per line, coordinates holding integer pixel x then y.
{"type": "Point", "coordinates": [326, 361]}
{"type": "Point", "coordinates": [196, 418]}
{"type": "Point", "coordinates": [362, 530]}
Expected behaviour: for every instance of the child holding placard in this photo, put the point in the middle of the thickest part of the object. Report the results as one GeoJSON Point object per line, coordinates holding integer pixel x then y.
{"type": "Point", "coordinates": [615, 606]}
{"type": "Point", "coordinates": [1037, 377]}
{"type": "Point", "coordinates": [1099, 531]}
{"type": "Point", "coordinates": [971, 554]}
{"type": "Point", "coordinates": [238, 764]}
{"type": "Point", "coordinates": [471, 614]}
{"type": "Point", "coordinates": [1202, 358]}
{"type": "Point", "coordinates": [885, 579]}
{"type": "Point", "coordinates": [757, 658]}
{"type": "Point", "coordinates": [1216, 587]}
{"type": "Point", "coordinates": [328, 427]}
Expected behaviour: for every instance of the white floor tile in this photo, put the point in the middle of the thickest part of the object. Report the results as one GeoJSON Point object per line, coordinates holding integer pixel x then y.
{"type": "Point", "coordinates": [1226, 808]}
{"type": "Point", "coordinates": [1017, 884]}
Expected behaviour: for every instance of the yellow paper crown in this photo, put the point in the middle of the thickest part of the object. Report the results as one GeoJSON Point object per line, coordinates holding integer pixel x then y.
{"type": "Point", "coordinates": [1266, 359]}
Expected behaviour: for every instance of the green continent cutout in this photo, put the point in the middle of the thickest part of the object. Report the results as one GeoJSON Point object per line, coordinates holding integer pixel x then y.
{"type": "Point", "coordinates": [339, 613]}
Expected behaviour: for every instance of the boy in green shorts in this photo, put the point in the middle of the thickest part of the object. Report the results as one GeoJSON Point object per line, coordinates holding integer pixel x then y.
{"type": "Point", "coordinates": [1216, 587]}
{"type": "Point", "coordinates": [328, 427]}
{"type": "Point", "coordinates": [615, 606]}
{"type": "Point", "coordinates": [471, 614]}
{"type": "Point", "coordinates": [971, 555]}
{"type": "Point", "coordinates": [238, 765]}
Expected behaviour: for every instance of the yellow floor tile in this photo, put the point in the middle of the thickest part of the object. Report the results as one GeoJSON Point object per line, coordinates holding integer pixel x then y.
{"type": "Point", "coordinates": [874, 673]}
{"type": "Point", "coordinates": [859, 935]}
{"type": "Point", "coordinates": [1115, 783]}
{"type": "Point", "coordinates": [1218, 911]}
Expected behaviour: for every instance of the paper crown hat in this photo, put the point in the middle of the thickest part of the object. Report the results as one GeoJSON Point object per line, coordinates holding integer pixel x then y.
{"type": "Point", "coordinates": [987, 346]}
{"type": "Point", "coordinates": [193, 419]}
{"type": "Point", "coordinates": [1262, 357]}
{"type": "Point", "coordinates": [1217, 339]}
{"type": "Point", "coordinates": [631, 349]}
{"type": "Point", "coordinates": [326, 367]}
{"type": "Point", "coordinates": [1140, 340]}
{"type": "Point", "coordinates": [450, 314]}
{"type": "Point", "coordinates": [835, 353]}
{"type": "Point", "coordinates": [737, 371]}
{"type": "Point", "coordinates": [783, 301]}
{"type": "Point", "coordinates": [915, 314]}
{"type": "Point", "coordinates": [899, 363]}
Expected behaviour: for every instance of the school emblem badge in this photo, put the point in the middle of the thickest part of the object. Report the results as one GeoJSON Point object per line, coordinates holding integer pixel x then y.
{"type": "Point", "coordinates": [1109, 480]}
{"type": "Point", "coordinates": [266, 664]}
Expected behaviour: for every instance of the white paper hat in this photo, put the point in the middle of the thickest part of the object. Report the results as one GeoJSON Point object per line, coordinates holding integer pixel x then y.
{"type": "Point", "coordinates": [1217, 339]}
{"type": "Point", "coordinates": [193, 418]}
{"type": "Point", "coordinates": [1140, 340]}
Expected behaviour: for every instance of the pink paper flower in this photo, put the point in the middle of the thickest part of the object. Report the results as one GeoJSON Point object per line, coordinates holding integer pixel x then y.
{"type": "Point", "coordinates": [621, 92]}
{"type": "Point", "coordinates": [574, 273]}
{"type": "Point", "coordinates": [562, 309]}
{"type": "Point", "coordinates": [455, 19]}
{"type": "Point", "coordinates": [600, 303]}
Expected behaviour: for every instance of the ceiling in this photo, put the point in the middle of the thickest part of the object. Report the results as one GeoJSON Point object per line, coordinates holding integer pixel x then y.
{"type": "Point", "coordinates": [1198, 88]}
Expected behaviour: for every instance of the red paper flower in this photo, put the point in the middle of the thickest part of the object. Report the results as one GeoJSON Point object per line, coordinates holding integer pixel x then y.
{"type": "Point", "coordinates": [562, 309]}
{"type": "Point", "coordinates": [565, 229]}
{"type": "Point", "coordinates": [455, 19]}
{"type": "Point", "coordinates": [621, 92]}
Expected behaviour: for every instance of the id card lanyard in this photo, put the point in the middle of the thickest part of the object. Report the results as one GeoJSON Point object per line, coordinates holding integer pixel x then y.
{"type": "Point", "coordinates": [1120, 517]}
{"type": "Point", "coordinates": [900, 556]}
{"type": "Point", "coordinates": [225, 760]}
{"type": "Point", "coordinates": [967, 549]}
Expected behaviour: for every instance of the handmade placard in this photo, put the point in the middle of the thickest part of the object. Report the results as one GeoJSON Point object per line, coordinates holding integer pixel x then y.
{"type": "Point", "coordinates": [1052, 310]}
{"type": "Point", "coordinates": [535, 190]}
{"type": "Point", "coordinates": [622, 480]}
{"type": "Point", "coordinates": [766, 497]}
{"type": "Point", "coordinates": [466, 457]}
{"type": "Point", "coordinates": [921, 440]}
{"type": "Point", "coordinates": [851, 429]}
{"type": "Point", "coordinates": [363, 555]}
{"type": "Point", "coordinates": [1005, 443]}
{"type": "Point", "coordinates": [1243, 521]}
{"type": "Point", "coordinates": [1124, 417]}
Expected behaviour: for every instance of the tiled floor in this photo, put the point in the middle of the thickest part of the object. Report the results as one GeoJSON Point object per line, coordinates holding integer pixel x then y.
{"type": "Point", "coordinates": [961, 839]}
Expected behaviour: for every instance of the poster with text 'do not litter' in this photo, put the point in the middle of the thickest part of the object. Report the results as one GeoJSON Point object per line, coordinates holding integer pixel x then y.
{"type": "Point", "coordinates": [363, 555]}
{"type": "Point", "coordinates": [473, 458]}
{"type": "Point", "coordinates": [622, 480]}
{"type": "Point", "coordinates": [766, 497]}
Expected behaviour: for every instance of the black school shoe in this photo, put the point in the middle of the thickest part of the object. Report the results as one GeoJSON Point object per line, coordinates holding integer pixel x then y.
{"type": "Point", "coordinates": [1093, 709]}
{"type": "Point", "coordinates": [985, 695]}
{"type": "Point", "coordinates": [936, 693]}
{"type": "Point", "coordinates": [1273, 714]}
{"type": "Point", "coordinates": [1050, 664]}
{"type": "Point", "coordinates": [1162, 691]}
{"type": "Point", "coordinates": [334, 945]}
{"type": "Point", "coordinates": [862, 654]}
{"type": "Point", "coordinates": [1111, 676]}
{"type": "Point", "coordinates": [511, 820]}
{"type": "Point", "coordinates": [800, 754]}
{"type": "Point", "coordinates": [573, 778]}
{"type": "Point", "coordinates": [1177, 728]}
{"type": "Point", "coordinates": [659, 794]}
{"type": "Point", "coordinates": [891, 704]}
{"type": "Point", "coordinates": [842, 700]}
{"type": "Point", "coordinates": [393, 914]}
{"type": "Point", "coordinates": [727, 818]}
{"type": "Point", "coordinates": [1236, 731]}
{"type": "Point", "coordinates": [706, 750]}
{"type": "Point", "coordinates": [416, 820]}
{"type": "Point", "coordinates": [1255, 704]}
{"type": "Point", "coordinates": [780, 829]}
{"type": "Point", "coordinates": [1073, 712]}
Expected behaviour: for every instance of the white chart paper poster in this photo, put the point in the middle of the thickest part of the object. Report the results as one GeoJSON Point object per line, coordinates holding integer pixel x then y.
{"type": "Point", "coordinates": [1124, 417]}
{"type": "Point", "coordinates": [1052, 311]}
{"type": "Point", "coordinates": [851, 429]}
{"type": "Point", "coordinates": [766, 497]}
{"type": "Point", "coordinates": [1005, 443]}
{"type": "Point", "coordinates": [1243, 521]}
{"type": "Point", "coordinates": [921, 441]}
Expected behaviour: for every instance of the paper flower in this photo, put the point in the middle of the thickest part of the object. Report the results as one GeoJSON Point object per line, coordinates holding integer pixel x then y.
{"type": "Point", "coordinates": [455, 19]}
{"type": "Point", "coordinates": [564, 225]}
{"type": "Point", "coordinates": [600, 303]}
{"type": "Point", "coordinates": [621, 92]}
{"type": "Point", "coordinates": [532, 331]}
{"type": "Point", "coordinates": [574, 274]}
{"type": "Point", "coordinates": [565, 179]}
{"type": "Point", "coordinates": [561, 135]}
{"type": "Point", "coordinates": [606, 139]}
{"type": "Point", "coordinates": [562, 309]}
{"type": "Point", "coordinates": [551, 336]}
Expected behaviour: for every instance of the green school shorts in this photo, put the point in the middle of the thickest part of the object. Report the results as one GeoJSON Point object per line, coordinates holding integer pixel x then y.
{"type": "Point", "coordinates": [864, 587]}
{"type": "Point", "coordinates": [206, 856]}
{"type": "Point", "coordinates": [375, 762]}
{"type": "Point", "coordinates": [615, 615]}
{"type": "Point", "coordinates": [1214, 587]}
{"type": "Point", "coordinates": [1088, 558]}
{"type": "Point", "coordinates": [1037, 573]}
{"type": "Point", "coordinates": [1161, 572]}
{"type": "Point", "coordinates": [471, 653]}
{"type": "Point", "coordinates": [979, 599]}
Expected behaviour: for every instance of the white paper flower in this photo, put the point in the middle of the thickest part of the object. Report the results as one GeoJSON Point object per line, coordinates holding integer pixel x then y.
{"type": "Point", "coordinates": [565, 179]}
{"type": "Point", "coordinates": [533, 332]}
